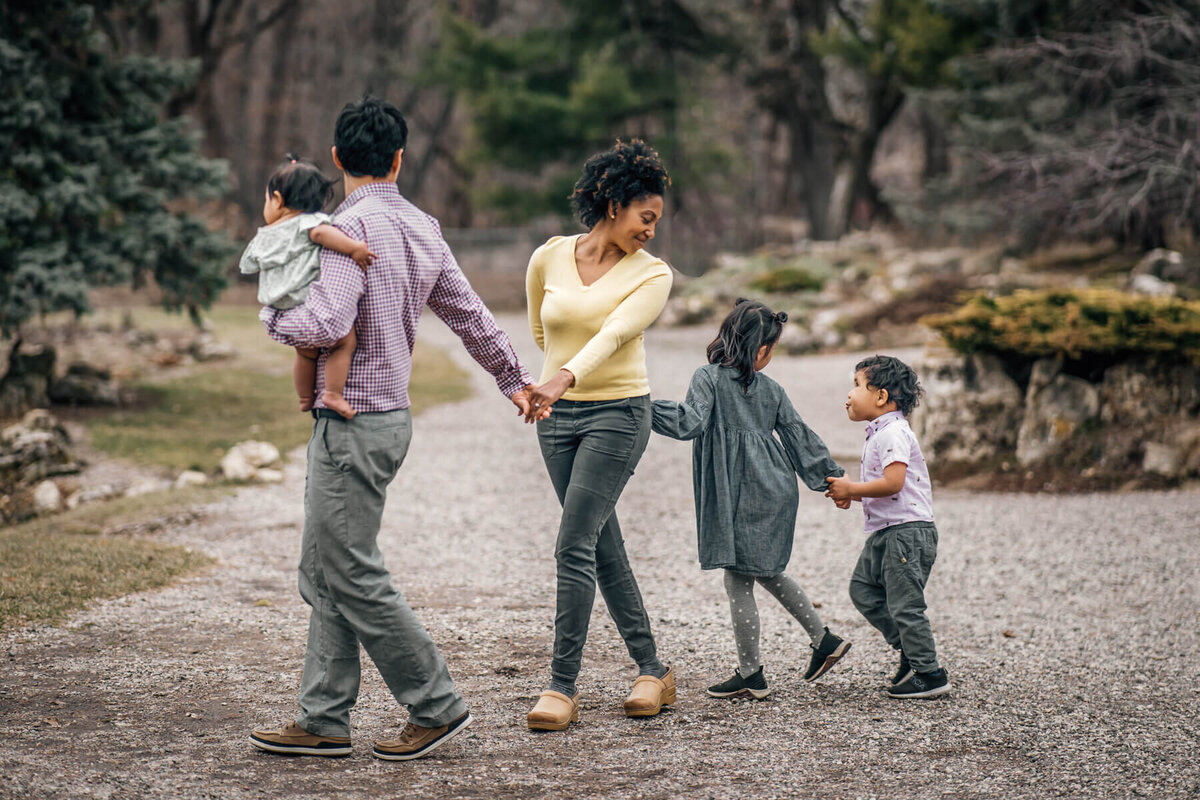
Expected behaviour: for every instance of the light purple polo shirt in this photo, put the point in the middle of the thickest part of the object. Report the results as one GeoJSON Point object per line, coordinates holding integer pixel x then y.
{"type": "Point", "coordinates": [891, 440]}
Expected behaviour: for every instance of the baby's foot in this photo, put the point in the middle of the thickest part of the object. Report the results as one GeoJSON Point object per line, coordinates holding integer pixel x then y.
{"type": "Point", "coordinates": [306, 403]}
{"type": "Point", "coordinates": [337, 403]}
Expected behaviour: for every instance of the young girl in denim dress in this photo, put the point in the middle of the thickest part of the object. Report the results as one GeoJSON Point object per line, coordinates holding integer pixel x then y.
{"type": "Point", "coordinates": [745, 485]}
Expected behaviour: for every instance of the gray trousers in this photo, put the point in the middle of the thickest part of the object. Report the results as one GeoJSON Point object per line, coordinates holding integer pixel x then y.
{"type": "Point", "coordinates": [590, 449]}
{"type": "Point", "coordinates": [888, 588]}
{"type": "Point", "coordinates": [344, 580]}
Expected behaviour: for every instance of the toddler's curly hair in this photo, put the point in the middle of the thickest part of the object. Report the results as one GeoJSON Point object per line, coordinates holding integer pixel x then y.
{"type": "Point", "coordinates": [628, 171]}
{"type": "Point", "coordinates": [898, 378]}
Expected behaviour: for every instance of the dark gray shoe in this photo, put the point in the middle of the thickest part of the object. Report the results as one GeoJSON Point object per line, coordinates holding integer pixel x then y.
{"type": "Point", "coordinates": [921, 686]}
{"type": "Point", "coordinates": [904, 671]}
{"type": "Point", "coordinates": [825, 655]}
{"type": "Point", "coordinates": [755, 686]}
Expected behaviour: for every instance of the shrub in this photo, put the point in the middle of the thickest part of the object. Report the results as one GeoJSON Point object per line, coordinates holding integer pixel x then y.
{"type": "Point", "coordinates": [787, 279]}
{"type": "Point", "coordinates": [1082, 324]}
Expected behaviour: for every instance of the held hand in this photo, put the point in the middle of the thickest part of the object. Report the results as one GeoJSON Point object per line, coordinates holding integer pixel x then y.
{"type": "Point", "coordinates": [362, 255]}
{"type": "Point", "coordinates": [839, 489]}
{"type": "Point", "coordinates": [522, 402]}
{"type": "Point", "coordinates": [842, 504]}
{"type": "Point", "coordinates": [548, 394]}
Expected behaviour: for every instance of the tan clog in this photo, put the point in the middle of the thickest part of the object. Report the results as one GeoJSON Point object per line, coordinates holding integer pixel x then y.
{"type": "Point", "coordinates": [650, 694]}
{"type": "Point", "coordinates": [554, 712]}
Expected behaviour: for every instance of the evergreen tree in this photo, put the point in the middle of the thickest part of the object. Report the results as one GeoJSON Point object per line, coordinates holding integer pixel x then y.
{"type": "Point", "coordinates": [96, 184]}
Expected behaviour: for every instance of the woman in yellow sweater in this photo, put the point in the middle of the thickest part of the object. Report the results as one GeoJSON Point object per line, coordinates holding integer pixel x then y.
{"type": "Point", "coordinates": [591, 297]}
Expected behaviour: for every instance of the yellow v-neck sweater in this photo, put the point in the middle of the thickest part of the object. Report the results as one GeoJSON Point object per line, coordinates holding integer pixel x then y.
{"type": "Point", "coordinates": [595, 331]}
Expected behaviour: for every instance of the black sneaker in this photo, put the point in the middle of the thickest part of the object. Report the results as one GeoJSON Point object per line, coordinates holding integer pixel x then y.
{"type": "Point", "coordinates": [825, 655]}
{"type": "Point", "coordinates": [755, 686]}
{"type": "Point", "coordinates": [921, 685]}
{"type": "Point", "coordinates": [904, 671]}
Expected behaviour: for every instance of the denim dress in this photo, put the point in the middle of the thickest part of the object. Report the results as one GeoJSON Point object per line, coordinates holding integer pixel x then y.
{"type": "Point", "coordinates": [748, 447]}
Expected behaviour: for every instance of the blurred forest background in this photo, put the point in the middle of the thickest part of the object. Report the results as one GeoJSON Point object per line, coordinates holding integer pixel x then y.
{"type": "Point", "coordinates": [131, 127]}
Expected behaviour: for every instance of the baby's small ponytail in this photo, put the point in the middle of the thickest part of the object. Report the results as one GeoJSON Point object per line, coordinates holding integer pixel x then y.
{"type": "Point", "coordinates": [749, 326]}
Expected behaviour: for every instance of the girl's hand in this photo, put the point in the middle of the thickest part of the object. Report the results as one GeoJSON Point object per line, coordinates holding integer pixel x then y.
{"type": "Point", "coordinates": [842, 504]}
{"type": "Point", "coordinates": [839, 489]}
{"type": "Point", "coordinates": [362, 255]}
{"type": "Point", "coordinates": [548, 394]}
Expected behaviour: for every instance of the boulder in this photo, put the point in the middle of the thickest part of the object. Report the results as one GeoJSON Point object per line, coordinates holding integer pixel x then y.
{"type": "Point", "coordinates": [245, 458]}
{"type": "Point", "coordinates": [268, 476]}
{"type": "Point", "coordinates": [1143, 392]}
{"type": "Point", "coordinates": [85, 385]}
{"type": "Point", "coordinates": [148, 486]}
{"type": "Point", "coordinates": [206, 348]}
{"type": "Point", "coordinates": [190, 477]}
{"type": "Point", "coordinates": [35, 448]}
{"type": "Point", "coordinates": [1167, 266]}
{"type": "Point", "coordinates": [47, 499]}
{"type": "Point", "coordinates": [1056, 405]}
{"type": "Point", "coordinates": [1150, 285]}
{"type": "Point", "coordinates": [92, 495]}
{"type": "Point", "coordinates": [971, 411]}
{"type": "Point", "coordinates": [1163, 459]}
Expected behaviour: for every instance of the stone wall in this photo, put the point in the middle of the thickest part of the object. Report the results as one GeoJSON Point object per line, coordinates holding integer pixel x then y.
{"type": "Point", "coordinates": [1126, 424]}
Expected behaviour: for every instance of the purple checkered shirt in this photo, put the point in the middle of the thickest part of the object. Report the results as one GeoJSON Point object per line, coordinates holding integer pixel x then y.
{"type": "Point", "coordinates": [414, 268]}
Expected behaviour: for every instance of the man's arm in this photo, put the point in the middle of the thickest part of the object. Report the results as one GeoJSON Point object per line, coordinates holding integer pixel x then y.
{"type": "Point", "coordinates": [457, 304]}
{"type": "Point", "coordinates": [328, 313]}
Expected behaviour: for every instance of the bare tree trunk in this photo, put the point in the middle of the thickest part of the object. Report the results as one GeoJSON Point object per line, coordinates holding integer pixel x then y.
{"type": "Point", "coordinates": [934, 143]}
{"type": "Point", "coordinates": [863, 202]}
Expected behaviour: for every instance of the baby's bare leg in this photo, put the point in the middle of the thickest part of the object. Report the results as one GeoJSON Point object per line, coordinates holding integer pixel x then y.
{"type": "Point", "coordinates": [337, 370]}
{"type": "Point", "coordinates": [304, 374]}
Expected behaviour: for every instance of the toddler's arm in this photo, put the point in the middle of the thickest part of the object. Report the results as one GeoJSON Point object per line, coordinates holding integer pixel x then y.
{"type": "Point", "coordinates": [329, 236]}
{"type": "Point", "coordinates": [892, 481]}
{"type": "Point", "coordinates": [807, 452]}
{"type": "Point", "coordinates": [688, 419]}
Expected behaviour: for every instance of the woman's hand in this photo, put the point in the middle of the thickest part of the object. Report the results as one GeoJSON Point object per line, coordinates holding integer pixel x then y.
{"type": "Point", "coordinates": [548, 394]}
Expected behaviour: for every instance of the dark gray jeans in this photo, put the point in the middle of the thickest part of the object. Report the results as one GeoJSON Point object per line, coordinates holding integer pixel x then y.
{"type": "Point", "coordinates": [888, 588]}
{"type": "Point", "coordinates": [343, 578]}
{"type": "Point", "coordinates": [590, 449]}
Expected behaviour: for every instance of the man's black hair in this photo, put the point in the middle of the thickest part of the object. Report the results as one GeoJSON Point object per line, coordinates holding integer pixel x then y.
{"type": "Point", "coordinates": [627, 172]}
{"type": "Point", "coordinates": [898, 378]}
{"type": "Point", "coordinates": [367, 135]}
{"type": "Point", "coordinates": [301, 185]}
{"type": "Point", "coordinates": [747, 328]}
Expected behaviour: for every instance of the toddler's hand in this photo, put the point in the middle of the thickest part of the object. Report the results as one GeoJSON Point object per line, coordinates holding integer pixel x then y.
{"type": "Point", "coordinates": [839, 489]}
{"type": "Point", "coordinates": [362, 255]}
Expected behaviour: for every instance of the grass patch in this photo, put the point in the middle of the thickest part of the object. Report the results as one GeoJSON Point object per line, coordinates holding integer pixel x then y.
{"type": "Point", "coordinates": [55, 565]}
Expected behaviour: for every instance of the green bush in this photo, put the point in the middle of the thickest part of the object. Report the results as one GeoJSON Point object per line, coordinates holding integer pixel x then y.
{"type": "Point", "coordinates": [1091, 323]}
{"type": "Point", "coordinates": [787, 279]}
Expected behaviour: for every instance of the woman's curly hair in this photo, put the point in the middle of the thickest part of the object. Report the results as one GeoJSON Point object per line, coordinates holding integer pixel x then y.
{"type": "Point", "coordinates": [627, 172]}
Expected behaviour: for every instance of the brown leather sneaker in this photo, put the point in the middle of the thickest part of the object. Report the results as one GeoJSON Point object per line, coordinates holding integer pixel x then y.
{"type": "Point", "coordinates": [292, 740]}
{"type": "Point", "coordinates": [415, 741]}
{"type": "Point", "coordinates": [554, 712]}
{"type": "Point", "coordinates": [650, 694]}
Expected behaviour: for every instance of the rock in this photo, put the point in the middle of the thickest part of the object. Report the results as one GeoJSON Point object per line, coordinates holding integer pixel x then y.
{"type": "Point", "coordinates": [1056, 405]}
{"type": "Point", "coordinates": [206, 348]}
{"type": "Point", "coordinates": [149, 486]}
{"type": "Point", "coordinates": [240, 463]}
{"type": "Point", "coordinates": [85, 385]}
{"type": "Point", "coordinates": [190, 477]}
{"type": "Point", "coordinates": [1150, 285]}
{"type": "Point", "coordinates": [1163, 459]}
{"type": "Point", "coordinates": [971, 411]}
{"type": "Point", "coordinates": [1142, 392]}
{"type": "Point", "coordinates": [269, 476]}
{"type": "Point", "coordinates": [47, 499]}
{"type": "Point", "coordinates": [33, 449]}
{"type": "Point", "coordinates": [92, 495]}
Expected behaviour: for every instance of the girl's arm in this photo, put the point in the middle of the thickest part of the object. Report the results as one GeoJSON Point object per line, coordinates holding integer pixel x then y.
{"type": "Point", "coordinates": [329, 236]}
{"type": "Point", "coordinates": [807, 452]}
{"type": "Point", "coordinates": [688, 419]}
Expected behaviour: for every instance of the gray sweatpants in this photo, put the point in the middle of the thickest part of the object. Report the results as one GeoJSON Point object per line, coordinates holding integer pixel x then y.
{"type": "Point", "coordinates": [344, 580]}
{"type": "Point", "coordinates": [888, 588]}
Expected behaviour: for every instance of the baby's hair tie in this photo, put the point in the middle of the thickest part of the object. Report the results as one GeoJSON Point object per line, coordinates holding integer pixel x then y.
{"type": "Point", "coordinates": [781, 317]}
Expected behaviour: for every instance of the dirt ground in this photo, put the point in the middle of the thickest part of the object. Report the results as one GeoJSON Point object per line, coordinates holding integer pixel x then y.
{"type": "Point", "coordinates": [1070, 626]}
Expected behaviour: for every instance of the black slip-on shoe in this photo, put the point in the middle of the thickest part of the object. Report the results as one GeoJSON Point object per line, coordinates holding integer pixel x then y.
{"type": "Point", "coordinates": [755, 686]}
{"type": "Point", "coordinates": [825, 654]}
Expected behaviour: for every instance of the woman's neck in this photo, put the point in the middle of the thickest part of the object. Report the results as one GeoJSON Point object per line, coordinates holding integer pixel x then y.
{"type": "Point", "coordinates": [598, 248]}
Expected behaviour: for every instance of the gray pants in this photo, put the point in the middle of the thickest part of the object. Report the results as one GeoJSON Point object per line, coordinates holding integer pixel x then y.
{"type": "Point", "coordinates": [744, 612]}
{"type": "Point", "coordinates": [590, 449]}
{"type": "Point", "coordinates": [888, 588]}
{"type": "Point", "coordinates": [343, 579]}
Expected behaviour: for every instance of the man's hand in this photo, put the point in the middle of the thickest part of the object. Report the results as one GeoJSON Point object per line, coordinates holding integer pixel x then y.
{"type": "Point", "coordinates": [362, 255]}
{"type": "Point", "coordinates": [839, 489]}
{"type": "Point", "coordinates": [524, 405]}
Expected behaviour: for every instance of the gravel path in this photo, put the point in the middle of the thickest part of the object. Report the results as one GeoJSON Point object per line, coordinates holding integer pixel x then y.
{"type": "Point", "coordinates": [1070, 626]}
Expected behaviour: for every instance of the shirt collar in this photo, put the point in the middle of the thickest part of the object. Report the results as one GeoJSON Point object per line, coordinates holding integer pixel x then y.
{"type": "Point", "coordinates": [376, 188]}
{"type": "Point", "coordinates": [882, 421]}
